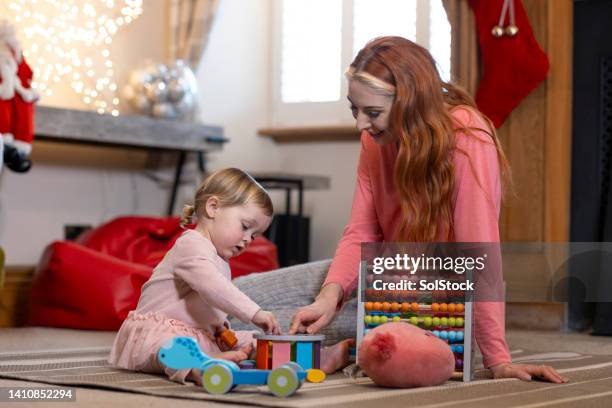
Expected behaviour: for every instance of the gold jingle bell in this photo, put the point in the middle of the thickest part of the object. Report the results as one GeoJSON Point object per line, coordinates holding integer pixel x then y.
{"type": "Point", "coordinates": [497, 31]}
{"type": "Point", "coordinates": [512, 30]}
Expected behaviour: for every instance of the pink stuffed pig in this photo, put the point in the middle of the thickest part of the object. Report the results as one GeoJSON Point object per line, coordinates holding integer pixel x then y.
{"type": "Point", "coordinates": [402, 355]}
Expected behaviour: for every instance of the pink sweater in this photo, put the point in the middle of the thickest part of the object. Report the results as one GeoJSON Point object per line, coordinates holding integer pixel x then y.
{"type": "Point", "coordinates": [376, 209]}
{"type": "Point", "coordinates": [193, 284]}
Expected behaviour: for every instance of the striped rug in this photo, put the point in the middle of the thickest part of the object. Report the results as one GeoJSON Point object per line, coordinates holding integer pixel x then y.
{"type": "Point", "coordinates": [590, 383]}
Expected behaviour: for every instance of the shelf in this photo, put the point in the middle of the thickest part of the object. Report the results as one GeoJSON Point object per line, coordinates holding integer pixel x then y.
{"type": "Point", "coordinates": [137, 132]}
{"type": "Point", "coordinates": [280, 180]}
{"type": "Point", "coordinates": [85, 127]}
{"type": "Point", "coordinates": [307, 134]}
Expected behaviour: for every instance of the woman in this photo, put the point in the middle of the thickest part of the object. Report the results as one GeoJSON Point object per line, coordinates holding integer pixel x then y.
{"type": "Point", "coordinates": [430, 170]}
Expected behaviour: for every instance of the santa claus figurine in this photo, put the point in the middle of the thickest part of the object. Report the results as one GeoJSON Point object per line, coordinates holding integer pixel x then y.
{"type": "Point", "coordinates": [17, 100]}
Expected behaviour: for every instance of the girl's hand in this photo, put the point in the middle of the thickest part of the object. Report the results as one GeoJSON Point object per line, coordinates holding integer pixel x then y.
{"type": "Point", "coordinates": [267, 322]}
{"type": "Point", "coordinates": [312, 318]}
{"type": "Point", "coordinates": [526, 371]}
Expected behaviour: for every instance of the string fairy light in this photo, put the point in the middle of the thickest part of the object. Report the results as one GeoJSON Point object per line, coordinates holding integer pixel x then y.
{"type": "Point", "coordinates": [69, 41]}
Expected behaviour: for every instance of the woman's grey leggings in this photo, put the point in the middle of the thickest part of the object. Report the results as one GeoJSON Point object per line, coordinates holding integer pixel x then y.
{"type": "Point", "coordinates": [283, 291]}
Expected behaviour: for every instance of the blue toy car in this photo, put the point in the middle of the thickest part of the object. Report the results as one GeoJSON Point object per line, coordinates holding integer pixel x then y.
{"type": "Point", "coordinates": [221, 376]}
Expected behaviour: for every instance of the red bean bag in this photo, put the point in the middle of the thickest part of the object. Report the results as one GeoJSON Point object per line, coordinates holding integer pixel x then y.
{"type": "Point", "coordinates": [80, 288]}
{"type": "Point", "coordinates": [95, 282]}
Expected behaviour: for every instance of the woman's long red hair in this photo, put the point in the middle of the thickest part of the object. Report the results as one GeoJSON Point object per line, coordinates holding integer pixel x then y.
{"type": "Point", "coordinates": [420, 118]}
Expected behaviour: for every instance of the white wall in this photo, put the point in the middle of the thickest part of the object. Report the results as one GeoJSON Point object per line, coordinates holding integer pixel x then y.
{"type": "Point", "coordinates": [72, 184]}
{"type": "Point", "coordinates": [329, 209]}
{"type": "Point", "coordinates": [77, 184]}
{"type": "Point", "coordinates": [234, 80]}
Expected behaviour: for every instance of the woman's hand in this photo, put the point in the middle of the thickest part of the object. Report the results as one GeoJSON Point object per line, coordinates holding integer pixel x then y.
{"type": "Point", "coordinates": [526, 371]}
{"type": "Point", "coordinates": [312, 318]}
{"type": "Point", "coordinates": [267, 322]}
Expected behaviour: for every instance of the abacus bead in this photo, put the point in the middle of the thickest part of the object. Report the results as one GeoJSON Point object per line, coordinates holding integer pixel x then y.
{"type": "Point", "coordinates": [376, 319]}
{"type": "Point", "coordinates": [386, 306]}
{"type": "Point", "coordinates": [368, 319]}
{"type": "Point", "coordinates": [397, 319]}
{"type": "Point", "coordinates": [435, 307]}
{"type": "Point", "coordinates": [444, 335]}
{"type": "Point", "coordinates": [377, 306]}
{"type": "Point", "coordinates": [443, 307]}
{"type": "Point", "coordinates": [383, 319]}
{"type": "Point", "coordinates": [459, 322]}
{"type": "Point", "coordinates": [452, 336]}
{"type": "Point", "coordinates": [459, 363]}
{"type": "Point", "coordinates": [444, 321]}
{"type": "Point", "coordinates": [405, 307]}
{"type": "Point", "coordinates": [414, 320]}
{"type": "Point", "coordinates": [415, 306]}
{"type": "Point", "coordinates": [427, 321]}
{"type": "Point", "coordinates": [452, 322]}
{"type": "Point", "coordinates": [459, 349]}
{"type": "Point", "coordinates": [395, 307]}
{"type": "Point", "coordinates": [460, 335]}
{"type": "Point", "coordinates": [436, 321]}
{"type": "Point", "coordinates": [460, 307]}
{"type": "Point", "coordinates": [368, 306]}
{"type": "Point", "coordinates": [452, 308]}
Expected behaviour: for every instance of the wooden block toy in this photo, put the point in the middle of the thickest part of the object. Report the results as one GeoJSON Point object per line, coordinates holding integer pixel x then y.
{"type": "Point", "coordinates": [281, 353]}
{"type": "Point", "coordinates": [228, 338]}
{"type": "Point", "coordinates": [276, 350]}
{"type": "Point", "coordinates": [304, 354]}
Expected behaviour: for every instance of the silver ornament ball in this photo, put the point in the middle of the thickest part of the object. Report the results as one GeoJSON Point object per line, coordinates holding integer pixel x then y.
{"type": "Point", "coordinates": [512, 30]}
{"type": "Point", "coordinates": [162, 90]}
{"type": "Point", "coordinates": [497, 31]}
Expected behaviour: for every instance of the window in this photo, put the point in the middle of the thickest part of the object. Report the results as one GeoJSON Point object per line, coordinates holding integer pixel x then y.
{"type": "Point", "coordinates": [315, 40]}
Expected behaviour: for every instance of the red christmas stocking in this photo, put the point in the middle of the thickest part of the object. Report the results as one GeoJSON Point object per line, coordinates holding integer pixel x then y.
{"type": "Point", "coordinates": [513, 65]}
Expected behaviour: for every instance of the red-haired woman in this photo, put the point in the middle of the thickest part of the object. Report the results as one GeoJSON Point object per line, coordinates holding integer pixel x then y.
{"type": "Point", "coordinates": [430, 170]}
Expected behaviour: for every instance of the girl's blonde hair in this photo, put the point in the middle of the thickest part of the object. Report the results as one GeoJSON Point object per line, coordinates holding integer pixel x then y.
{"type": "Point", "coordinates": [231, 187]}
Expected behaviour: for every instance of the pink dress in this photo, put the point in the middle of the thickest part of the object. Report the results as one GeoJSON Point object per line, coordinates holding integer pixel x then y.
{"type": "Point", "coordinates": [376, 209]}
{"type": "Point", "coordinates": [189, 294]}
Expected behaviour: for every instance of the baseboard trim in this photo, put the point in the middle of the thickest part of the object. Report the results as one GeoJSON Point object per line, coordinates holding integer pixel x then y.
{"type": "Point", "coordinates": [15, 296]}
{"type": "Point", "coordinates": [535, 315]}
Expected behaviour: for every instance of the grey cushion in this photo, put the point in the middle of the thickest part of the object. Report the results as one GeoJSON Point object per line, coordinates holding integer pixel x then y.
{"type": "Point", "coordinates": [283, 291]}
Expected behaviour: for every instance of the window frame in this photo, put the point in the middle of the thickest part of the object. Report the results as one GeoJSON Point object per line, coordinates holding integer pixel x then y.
{"type": "Point", "coordinates": [333, 113]}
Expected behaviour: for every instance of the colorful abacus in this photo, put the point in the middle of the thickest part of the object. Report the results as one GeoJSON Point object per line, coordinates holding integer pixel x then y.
{"type": "Point", "coordinates": [274, 351]}
{"type": "Point", "coordinates": [451, 321]}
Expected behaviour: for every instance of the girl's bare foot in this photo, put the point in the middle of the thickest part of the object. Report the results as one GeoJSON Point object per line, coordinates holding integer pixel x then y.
{"type": "Point", "coordinates": [336, 357]}
{"type": "Point", "coordinates": [236, 355]}
{"type": "Point", "coordinates": [196, 376]}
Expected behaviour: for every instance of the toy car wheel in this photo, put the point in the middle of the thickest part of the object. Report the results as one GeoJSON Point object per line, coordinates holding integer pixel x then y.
{"type": "Point", "coordinates": [295, 367]}
{"type": "Point", "coordinates": [218, 379]}
{"type": "Point", "coordinates": [283, 381]}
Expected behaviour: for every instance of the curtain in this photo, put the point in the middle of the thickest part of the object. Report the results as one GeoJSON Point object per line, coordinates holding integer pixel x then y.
{"type": "Point", "coordinates": [190, 22]}
{"type": "Point", "coordinates": [465, 69]}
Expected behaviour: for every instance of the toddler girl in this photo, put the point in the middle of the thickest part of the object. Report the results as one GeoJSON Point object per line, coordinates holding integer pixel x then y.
{"type": "Point", "coordinates": [190, 292]}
